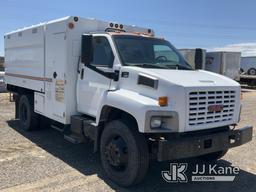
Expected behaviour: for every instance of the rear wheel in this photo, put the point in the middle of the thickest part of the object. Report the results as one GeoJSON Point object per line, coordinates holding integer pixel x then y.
{"type": "Point", "coordinates": [213, 156]}
{"type": "Point", "coordinates": [251, 71]}
{"type": "Point", "coordinates": [28, 118]}
{"type": "Point", "coordinates": [124, 153]}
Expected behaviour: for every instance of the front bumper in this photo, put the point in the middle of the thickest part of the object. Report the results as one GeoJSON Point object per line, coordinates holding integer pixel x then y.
{"type": "Point", "coordinates": [196, 144]}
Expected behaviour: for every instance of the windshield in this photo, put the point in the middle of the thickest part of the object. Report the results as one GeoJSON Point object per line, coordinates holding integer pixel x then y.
{"type": "Point", "coordinates": [149, 52]}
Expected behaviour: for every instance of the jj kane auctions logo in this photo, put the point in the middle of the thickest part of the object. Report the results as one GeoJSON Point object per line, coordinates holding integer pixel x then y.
{"type": "Point", "coordinates": [200, 173]}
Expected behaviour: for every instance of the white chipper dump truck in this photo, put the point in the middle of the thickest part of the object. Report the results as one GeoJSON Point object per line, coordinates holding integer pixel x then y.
{"type": "Point", "coordinates": [129, 92]}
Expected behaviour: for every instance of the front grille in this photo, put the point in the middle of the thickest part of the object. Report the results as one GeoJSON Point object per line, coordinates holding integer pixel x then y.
{"type": "Point", "coordinates": [199, 101]}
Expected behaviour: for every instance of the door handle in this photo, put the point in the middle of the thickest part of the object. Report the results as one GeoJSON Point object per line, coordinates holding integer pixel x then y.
{"type": "Point", "coordinates": [54, 75]}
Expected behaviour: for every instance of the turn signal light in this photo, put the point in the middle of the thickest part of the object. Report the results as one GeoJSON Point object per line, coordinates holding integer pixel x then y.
{"type": "Point", "coordinates": [163, 101]}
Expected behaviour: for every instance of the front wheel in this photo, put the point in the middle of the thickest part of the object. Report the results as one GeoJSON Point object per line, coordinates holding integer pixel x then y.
{"type": "Point", "coordinates": [213, 156]}
{"type": "Point", "coordinates": [124, 153]}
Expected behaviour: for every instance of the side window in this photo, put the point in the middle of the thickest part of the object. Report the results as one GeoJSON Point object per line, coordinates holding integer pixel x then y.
{"type": "Point", "coordinates": [102, 52]}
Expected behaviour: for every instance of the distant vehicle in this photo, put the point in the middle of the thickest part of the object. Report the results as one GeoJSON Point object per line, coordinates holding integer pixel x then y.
{"type": "Point", "coordinates": [195, 57]}
{"type": "Point", "coordinates": [224, 63]}
{"type": "Point", "coordinates": [1, 63]}
{"type": "Point", "coordinates": [2, 84]}
{"type": "Point", "coordinates": [2, 76]}
{"type": "Point", "coordinates": [131, 93]}
{"type": "Point", "coordinates": [248, 65]}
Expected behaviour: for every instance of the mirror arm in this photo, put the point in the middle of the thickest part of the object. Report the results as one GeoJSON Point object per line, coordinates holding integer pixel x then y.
{"type": "Point", "coordinates": [111, 75]}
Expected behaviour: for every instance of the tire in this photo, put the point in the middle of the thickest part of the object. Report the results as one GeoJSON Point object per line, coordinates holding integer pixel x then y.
{"type": "Point", "coordinates": [28, 118]}
{"type": "Point", "coordinates": [251, 71]}
{"type": "Point", "coordinates": [129, 165]}
{"type": "Point", "coordinates": [213, 156]}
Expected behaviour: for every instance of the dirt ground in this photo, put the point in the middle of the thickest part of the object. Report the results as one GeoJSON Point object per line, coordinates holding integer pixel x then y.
{"type": "Point", "coordinates": [43, 161]}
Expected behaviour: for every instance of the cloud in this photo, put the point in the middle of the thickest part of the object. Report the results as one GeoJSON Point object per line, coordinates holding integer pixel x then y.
{"type": "Point", "coordinates": [247, 49]}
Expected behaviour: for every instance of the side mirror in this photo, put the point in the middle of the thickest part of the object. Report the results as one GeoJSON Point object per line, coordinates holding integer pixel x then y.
{"type": "Point", "coordinates": [199, 59]}
{"type": "Point", "coordinates": [87, 49]}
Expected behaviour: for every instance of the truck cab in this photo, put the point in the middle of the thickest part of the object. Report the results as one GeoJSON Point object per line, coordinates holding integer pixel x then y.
{"type": "Point", "coordinates": [126, 71]}
{"type": "Point", "coordinates": [140, 74]}
{"type": "Point", "coordinates": [131, 93]}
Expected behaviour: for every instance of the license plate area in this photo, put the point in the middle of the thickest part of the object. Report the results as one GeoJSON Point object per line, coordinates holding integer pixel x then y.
{"type": "Point", "coordinates": [207, 143]}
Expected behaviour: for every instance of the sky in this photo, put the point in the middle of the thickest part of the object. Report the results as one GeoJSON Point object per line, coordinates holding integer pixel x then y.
{"type": "Point", "coordinates": [214, 25]}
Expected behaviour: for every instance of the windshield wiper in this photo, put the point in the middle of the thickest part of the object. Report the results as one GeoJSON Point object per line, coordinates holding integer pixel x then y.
{"type": "Point", "coordinates": [149, 65]}
{"type": "Point", "coordinates": [162, 66]}
{"type": "Point", "coordinates": [177, 66]}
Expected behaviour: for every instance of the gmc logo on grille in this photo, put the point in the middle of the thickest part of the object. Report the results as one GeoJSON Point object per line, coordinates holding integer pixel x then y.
{"type": "Point", "coordinates": [215, 108]}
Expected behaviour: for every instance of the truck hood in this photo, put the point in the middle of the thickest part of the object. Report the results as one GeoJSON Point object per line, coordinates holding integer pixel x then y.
{"type": "Point", "coordinates": [189, 78]}
{"type": "Point", "coordinates": [177, 86]}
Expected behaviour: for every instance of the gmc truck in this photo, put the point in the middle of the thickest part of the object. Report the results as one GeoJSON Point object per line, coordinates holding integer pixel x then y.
{"type": "Point", "coordinates": [131, 93]}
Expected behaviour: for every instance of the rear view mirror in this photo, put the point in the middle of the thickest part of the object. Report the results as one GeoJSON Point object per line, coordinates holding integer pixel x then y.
{"type": "Point", "coordinates": [87, 49]}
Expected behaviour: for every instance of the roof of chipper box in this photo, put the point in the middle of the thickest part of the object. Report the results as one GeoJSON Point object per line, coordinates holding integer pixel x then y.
{"type": "Point", "coordinates": [100, 23]}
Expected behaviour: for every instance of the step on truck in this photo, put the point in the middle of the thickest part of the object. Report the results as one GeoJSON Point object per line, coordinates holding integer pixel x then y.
{"type": "Point", "coordinates": [131, 93]}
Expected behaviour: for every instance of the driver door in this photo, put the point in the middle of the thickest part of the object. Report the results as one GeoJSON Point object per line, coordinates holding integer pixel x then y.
{"type": "Point", "coordinates": [92, 85]}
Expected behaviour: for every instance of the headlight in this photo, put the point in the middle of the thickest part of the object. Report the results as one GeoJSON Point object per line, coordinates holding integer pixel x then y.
{"type": "Point", "coordinates": [155, 122]}
{"type": "Point", "coordinates": [158, 121]}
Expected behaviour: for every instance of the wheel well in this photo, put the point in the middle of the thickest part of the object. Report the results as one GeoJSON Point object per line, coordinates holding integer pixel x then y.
{"type": "Point", "coordinates": [19, 90]}
{"type": "Point", "coordinates": [109, 113]}
{"type": "Point", "coordinates": [17, 93]}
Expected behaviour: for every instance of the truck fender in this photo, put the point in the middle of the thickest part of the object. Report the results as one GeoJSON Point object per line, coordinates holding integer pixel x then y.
{"type": "Point", "coordinates": [131, 102]}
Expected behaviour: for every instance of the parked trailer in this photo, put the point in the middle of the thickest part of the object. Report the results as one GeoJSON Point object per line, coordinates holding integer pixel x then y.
{"type": "Point", "coordinates": [131, 93]}
{"type": "Point", "coordinates": [195, 57]}
{"type": "Point", "coordinates": [1, 63]}
{"type": "Point", "coordinates": [2, 84]}
{"type": "Point", "coordinates": [224, 63]}
{"type": "Point", "coordinates": [248, 79]}
{"type": "Point", "coordinates": [248, 65]}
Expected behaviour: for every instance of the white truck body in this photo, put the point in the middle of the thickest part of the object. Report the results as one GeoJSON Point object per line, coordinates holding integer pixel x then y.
{"type": "Point", "coordinates": [224, 63]}
{"type": "Point", "coordinates": [34, 53]}
{"type": "Point", "coordinates": [131, 93]}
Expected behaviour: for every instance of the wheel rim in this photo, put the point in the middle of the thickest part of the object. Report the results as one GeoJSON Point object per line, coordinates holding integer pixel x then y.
{"type": "Point", "coordinates": [24, 113]}
{"type": "Point", "coordinates": [116, 153]}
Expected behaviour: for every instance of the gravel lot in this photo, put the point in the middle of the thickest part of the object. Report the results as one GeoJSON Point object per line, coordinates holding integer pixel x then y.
{"type": "Point", "coordinates": [43, 161]}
